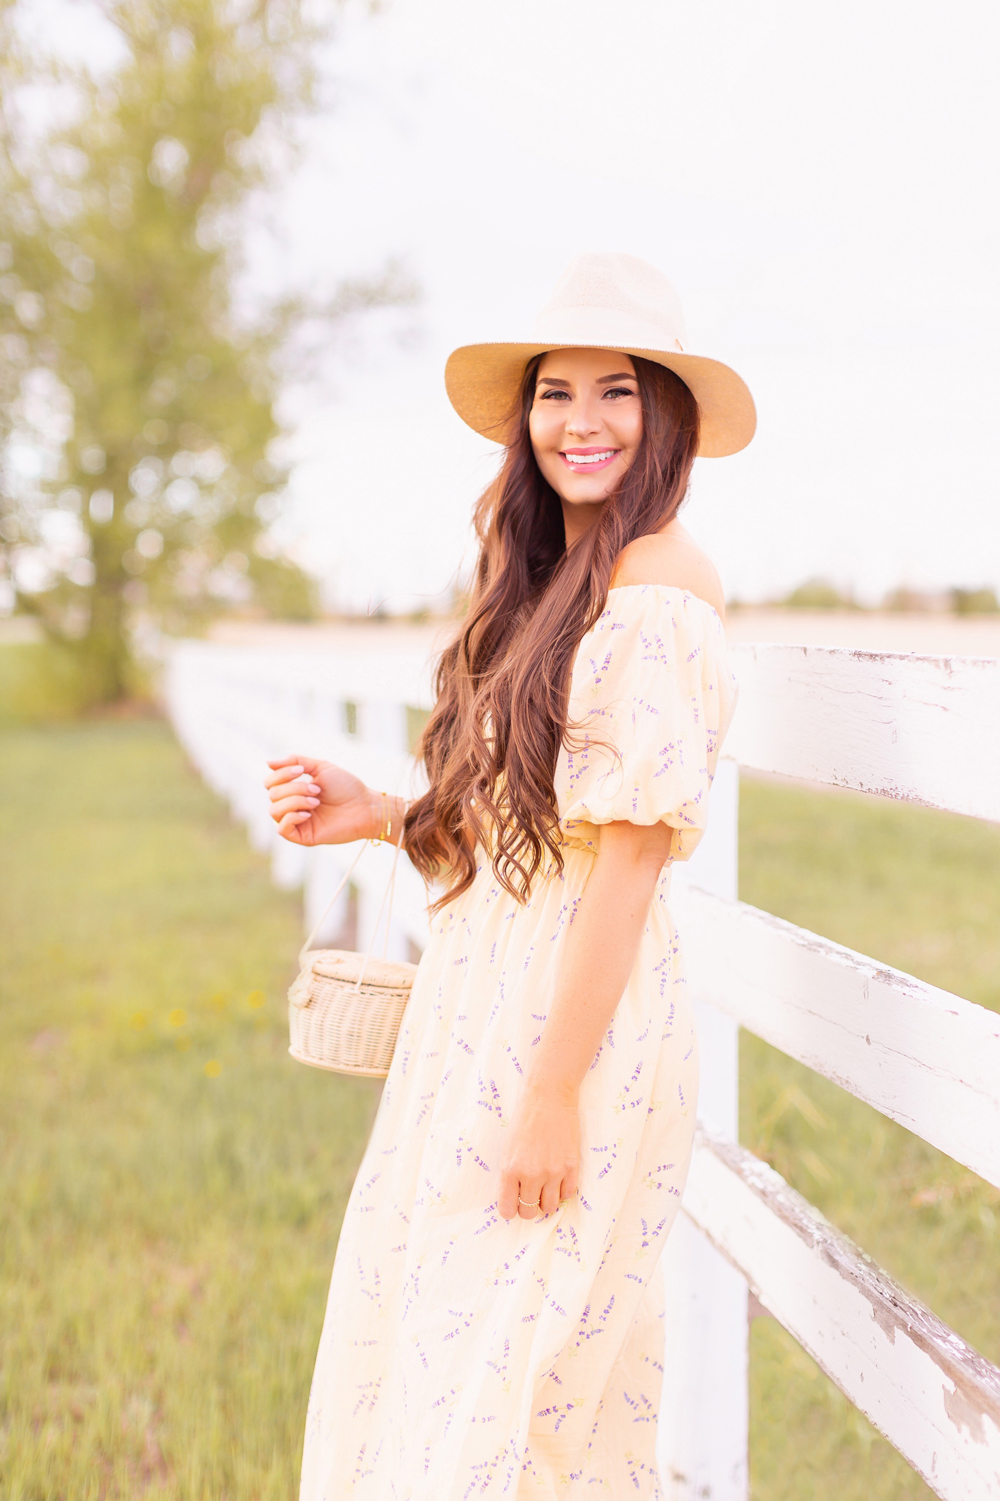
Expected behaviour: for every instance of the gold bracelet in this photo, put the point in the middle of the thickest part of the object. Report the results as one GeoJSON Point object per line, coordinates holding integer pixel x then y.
{"type": "Point", "coordinates": [384, 834]}
{"type": "Point", "coordinates": [381, 832]}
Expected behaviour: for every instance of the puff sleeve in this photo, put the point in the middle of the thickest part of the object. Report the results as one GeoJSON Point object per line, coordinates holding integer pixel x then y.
{"type": "Point", "coordinates": [651, 697]}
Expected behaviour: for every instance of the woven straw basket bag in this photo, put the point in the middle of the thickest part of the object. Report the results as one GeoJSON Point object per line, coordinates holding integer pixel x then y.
{"type": "Point", "coordinates": [345, 1008]}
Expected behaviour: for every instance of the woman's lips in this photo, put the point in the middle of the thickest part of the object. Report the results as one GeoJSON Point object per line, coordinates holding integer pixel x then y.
{"type": "Point", "coordinates": [588, 460]}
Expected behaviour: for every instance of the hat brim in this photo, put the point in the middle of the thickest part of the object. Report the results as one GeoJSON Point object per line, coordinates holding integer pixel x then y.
{"type": "Point", "coordinates": [482, 381]}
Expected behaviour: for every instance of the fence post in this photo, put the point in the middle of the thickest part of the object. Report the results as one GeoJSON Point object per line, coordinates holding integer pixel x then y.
{"type": "Point", "coordinates": [703, 1427]}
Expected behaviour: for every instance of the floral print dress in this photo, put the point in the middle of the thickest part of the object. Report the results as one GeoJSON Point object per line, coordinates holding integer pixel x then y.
{"type": "Point", "coordinates": [464, 1356]}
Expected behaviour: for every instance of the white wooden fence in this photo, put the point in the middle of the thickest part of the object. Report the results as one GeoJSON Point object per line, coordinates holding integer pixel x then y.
{"type": "Point", "coordinates": [926, 729]}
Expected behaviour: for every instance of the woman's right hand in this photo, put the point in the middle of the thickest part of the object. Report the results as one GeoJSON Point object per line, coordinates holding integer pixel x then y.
{"type": "Point", "coordinates": [315, 802]}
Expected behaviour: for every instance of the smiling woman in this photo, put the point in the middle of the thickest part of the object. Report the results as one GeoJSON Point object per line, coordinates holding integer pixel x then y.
{"type": "Point", "coordinates": [550, 545]}
{"type": "Point", "coordinates": [582, 399]}
{"type": "Point", "coordinates": [493, 1322]}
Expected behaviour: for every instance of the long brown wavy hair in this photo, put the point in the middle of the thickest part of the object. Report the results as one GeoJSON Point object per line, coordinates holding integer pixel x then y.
{"type": "Point", "coordinates": [492, 741]}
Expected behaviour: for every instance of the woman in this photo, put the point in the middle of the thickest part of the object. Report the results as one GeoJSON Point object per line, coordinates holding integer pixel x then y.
{"type": "Point", "coordinates": [493, 1327]}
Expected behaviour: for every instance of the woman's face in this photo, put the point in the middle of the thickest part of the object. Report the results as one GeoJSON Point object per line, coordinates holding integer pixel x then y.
{"type": "Point", "coordinates": [585, 423]}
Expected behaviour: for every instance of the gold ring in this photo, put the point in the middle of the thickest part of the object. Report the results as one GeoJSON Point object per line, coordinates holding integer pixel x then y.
{"type": "Point", "coordinates": [527, 1205]}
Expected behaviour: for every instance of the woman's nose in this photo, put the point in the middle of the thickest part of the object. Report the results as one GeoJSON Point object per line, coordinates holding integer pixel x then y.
{"type": "Point", "coordinates": [583, 420]}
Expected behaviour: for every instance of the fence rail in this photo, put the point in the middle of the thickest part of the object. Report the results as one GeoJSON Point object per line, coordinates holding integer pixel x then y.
{"type": "Point", "coordinates": [925, 729]}
{"type": "Point", "coordinates": [925, 1058]}
{"type": "Point", "coordinates": [921, 1385]}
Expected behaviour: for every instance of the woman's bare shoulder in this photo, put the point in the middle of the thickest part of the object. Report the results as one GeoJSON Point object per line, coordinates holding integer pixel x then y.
{"type": "Point", "coordinates": [674, 558]}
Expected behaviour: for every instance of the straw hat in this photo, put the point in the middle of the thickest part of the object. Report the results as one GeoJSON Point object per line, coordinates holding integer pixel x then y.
{"type": "Point", "coordinates": [604, 301]}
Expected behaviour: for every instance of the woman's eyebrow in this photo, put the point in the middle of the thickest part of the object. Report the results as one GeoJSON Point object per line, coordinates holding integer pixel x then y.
{"type": "Point", "coordinates": [602, 380]}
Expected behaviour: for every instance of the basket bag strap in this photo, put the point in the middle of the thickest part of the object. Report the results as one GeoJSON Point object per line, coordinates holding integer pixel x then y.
{"type": "Point", "coordinates": [387, 896]}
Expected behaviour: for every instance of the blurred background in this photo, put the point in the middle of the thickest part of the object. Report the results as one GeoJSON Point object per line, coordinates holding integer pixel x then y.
{"type": "Point", "coordinates": [237, 240]}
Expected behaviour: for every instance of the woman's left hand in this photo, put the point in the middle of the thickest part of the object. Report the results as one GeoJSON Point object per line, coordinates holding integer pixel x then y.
{"type": "Point", "coordinates": [540, 1165]}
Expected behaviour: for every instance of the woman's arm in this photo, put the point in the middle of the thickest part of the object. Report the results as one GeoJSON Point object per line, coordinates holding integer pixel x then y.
{"type": "Point", "coordinates": [542, 1152]}
{"type": "Point", "coordinates": [316, 802]}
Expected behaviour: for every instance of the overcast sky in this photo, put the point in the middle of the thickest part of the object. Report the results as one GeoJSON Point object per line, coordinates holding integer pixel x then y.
{"type": "Point", "coordinates": [820, 182]}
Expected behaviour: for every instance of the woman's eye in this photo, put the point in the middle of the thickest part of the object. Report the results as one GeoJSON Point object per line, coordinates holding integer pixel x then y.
{"type": "Point", "coordinates": [551, 395]}
{"type": "Point", "coordinates": [619, 391]}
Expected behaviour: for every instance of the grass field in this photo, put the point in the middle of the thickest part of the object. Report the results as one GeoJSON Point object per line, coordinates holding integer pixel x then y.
{"type": "Point", "coordinates": [920, 890]}
{"type": "Point", "coordinates": [171, 1183]}
{"type": "Point", "coordinates": [39, 684]}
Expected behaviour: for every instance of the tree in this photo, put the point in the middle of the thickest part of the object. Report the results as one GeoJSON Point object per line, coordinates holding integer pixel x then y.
{"type": "Point", "coordinates": [144, 404]}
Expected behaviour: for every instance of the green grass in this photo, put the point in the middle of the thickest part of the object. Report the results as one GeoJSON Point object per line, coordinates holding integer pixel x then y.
{"type": "Point", "coordinates": [919, 890]}
{"type": "Point", "coordinates": [167, 1232]}
{"type": "Point", "coordinates": [40, 683]}
{"type": "Point", "coordinates": [171, 1182]}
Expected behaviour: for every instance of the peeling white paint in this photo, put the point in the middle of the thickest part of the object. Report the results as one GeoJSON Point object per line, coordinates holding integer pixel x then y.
{"type": "Point", "coordinates": [924, 729]}
{"type": "Point", "coordinates": [924, 1057]}
{"type": "Point", "coordinates": [932, 1396]}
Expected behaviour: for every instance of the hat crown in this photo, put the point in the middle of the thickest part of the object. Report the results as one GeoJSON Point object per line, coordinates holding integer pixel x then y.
{"type": "Point", "coordinates": [614, 299]}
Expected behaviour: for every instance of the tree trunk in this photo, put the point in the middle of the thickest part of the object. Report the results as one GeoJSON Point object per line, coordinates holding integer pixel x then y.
{"type": "Point", "coordinates": [104, 653]}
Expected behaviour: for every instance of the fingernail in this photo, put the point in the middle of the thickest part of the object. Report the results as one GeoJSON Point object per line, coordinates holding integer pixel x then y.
{"type": "Point", "coordinates": [315, 788]}
{"type": "Point", "coordinates": [313, 802]}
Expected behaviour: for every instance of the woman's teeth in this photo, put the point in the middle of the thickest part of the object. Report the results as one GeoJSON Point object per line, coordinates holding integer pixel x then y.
{"type": "Point", "coordinates": [590, 458]}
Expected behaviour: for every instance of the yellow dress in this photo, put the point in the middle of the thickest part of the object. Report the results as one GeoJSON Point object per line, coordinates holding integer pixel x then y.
{"type": "Point", "coordinates": [464, 1356]}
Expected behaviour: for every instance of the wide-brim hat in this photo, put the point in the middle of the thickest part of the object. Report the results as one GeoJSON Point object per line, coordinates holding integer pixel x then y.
{"type": "Point", "coordinates": [604, 301]}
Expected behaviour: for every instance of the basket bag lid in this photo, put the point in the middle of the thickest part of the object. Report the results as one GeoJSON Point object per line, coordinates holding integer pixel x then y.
{"type": "Point", "coordinates": [345, 964]}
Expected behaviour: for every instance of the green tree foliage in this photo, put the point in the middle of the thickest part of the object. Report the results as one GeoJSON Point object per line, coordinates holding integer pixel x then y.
{"type": "Point", "coordinates": [818, 594]}
{"type": "Point", "coordinates": [975, 601]}
{"type": "Point", "coordinates": [127, 365]}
